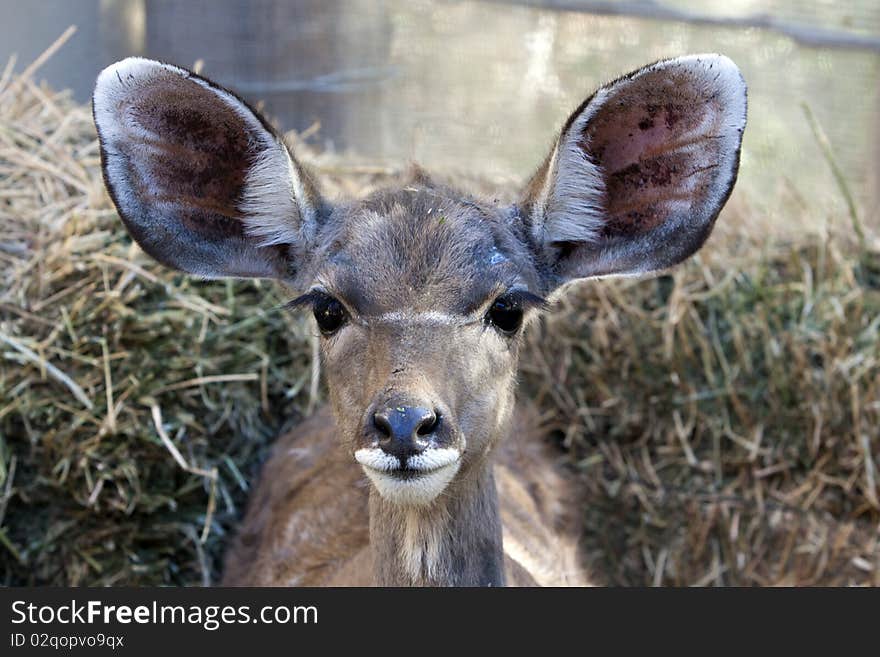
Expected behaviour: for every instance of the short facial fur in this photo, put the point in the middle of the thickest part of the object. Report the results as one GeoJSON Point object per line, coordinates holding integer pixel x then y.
{"type": "Point", "coordinates": [417, 269]}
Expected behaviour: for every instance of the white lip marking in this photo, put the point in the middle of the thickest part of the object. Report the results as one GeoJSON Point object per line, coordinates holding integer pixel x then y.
{"type": "Point", "coordinates": [432, 459]}
{"type": "Point", "coordinates": [375, 459]}
{"type": "Point", "coordinates": [434, 468]}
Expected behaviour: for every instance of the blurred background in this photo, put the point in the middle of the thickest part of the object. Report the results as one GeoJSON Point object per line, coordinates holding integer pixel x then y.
{"type": "Point", "coordinates": [483, 86]}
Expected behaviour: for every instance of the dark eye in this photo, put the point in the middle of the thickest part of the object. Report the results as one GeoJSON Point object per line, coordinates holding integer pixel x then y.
{"type": "Point", "coordinates": [505, 314]}
{"type": "Point", "coordinates": [329, 313]}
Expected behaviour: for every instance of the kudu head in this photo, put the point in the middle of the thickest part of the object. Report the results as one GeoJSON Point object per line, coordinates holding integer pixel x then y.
{"type": "Point", "coordinates": [420, 294]}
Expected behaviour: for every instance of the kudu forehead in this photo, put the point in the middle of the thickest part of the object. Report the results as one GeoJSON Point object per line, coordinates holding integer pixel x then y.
{"type": "Point", "coordinates": [422, 250]}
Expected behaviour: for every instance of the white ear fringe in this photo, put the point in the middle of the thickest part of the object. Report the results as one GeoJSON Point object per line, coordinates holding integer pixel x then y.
{"type": "Point", "coordinates": [274, 203]}
{"type": "Point", "coordinates": [570, 205]}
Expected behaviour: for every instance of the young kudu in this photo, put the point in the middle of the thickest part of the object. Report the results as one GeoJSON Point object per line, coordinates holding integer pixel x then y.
{"type": "Point", "coordinates": [421, 295]}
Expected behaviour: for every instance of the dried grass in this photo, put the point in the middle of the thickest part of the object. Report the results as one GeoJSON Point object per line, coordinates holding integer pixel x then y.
{"type": "Point", "coordinates": [724, 419]}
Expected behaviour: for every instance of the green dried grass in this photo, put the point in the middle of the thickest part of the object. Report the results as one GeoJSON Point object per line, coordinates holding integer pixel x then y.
{"type": "Point", "coordinates": [724, 419]}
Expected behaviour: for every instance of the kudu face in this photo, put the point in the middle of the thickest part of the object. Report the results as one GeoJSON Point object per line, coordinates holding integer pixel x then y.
{"type": "Point", "coordinates": [420, 294]}
{"type": "Point", "coordinates": [420, 300]}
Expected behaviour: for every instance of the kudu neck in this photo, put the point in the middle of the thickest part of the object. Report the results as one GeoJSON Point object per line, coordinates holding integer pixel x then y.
{"type": "Point", "coordinates": [455, 541]}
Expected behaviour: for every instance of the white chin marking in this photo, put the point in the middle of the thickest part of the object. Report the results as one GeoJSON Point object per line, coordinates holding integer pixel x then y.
{"type": "Point", "coordinates": [418, 490]}
{"type": "Point", "coordinates": [436, 468]}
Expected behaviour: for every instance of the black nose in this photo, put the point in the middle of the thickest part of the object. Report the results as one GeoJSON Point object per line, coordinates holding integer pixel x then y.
{"type": "Point", "coordinates": [405, 430]}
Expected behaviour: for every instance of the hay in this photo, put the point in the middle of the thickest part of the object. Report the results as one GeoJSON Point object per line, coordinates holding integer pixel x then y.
{"type": "Point", "coordinates": [724, 419]}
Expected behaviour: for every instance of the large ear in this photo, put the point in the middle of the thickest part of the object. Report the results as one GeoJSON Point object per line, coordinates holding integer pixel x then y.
{"type": "Point", "coordinates": [201, 181]}
{"type": "Point", "coordinates": [640, 171]}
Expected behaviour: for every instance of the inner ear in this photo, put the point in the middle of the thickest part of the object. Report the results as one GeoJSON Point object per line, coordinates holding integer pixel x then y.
{"type": "Point", "coordinates": [193, 153]}
{"type": "Point", "coordinates": [201, 181]}
{"type": "Point", "coordinates": [656, 148]}
{"type": "Point", "coordinates": [640, 171]}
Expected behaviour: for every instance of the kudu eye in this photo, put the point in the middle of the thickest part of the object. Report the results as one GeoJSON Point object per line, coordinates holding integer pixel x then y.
{"type": "Point", "coordinates": [505, 314]}
{"type": "Point", "coordinates": [329, 313]}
